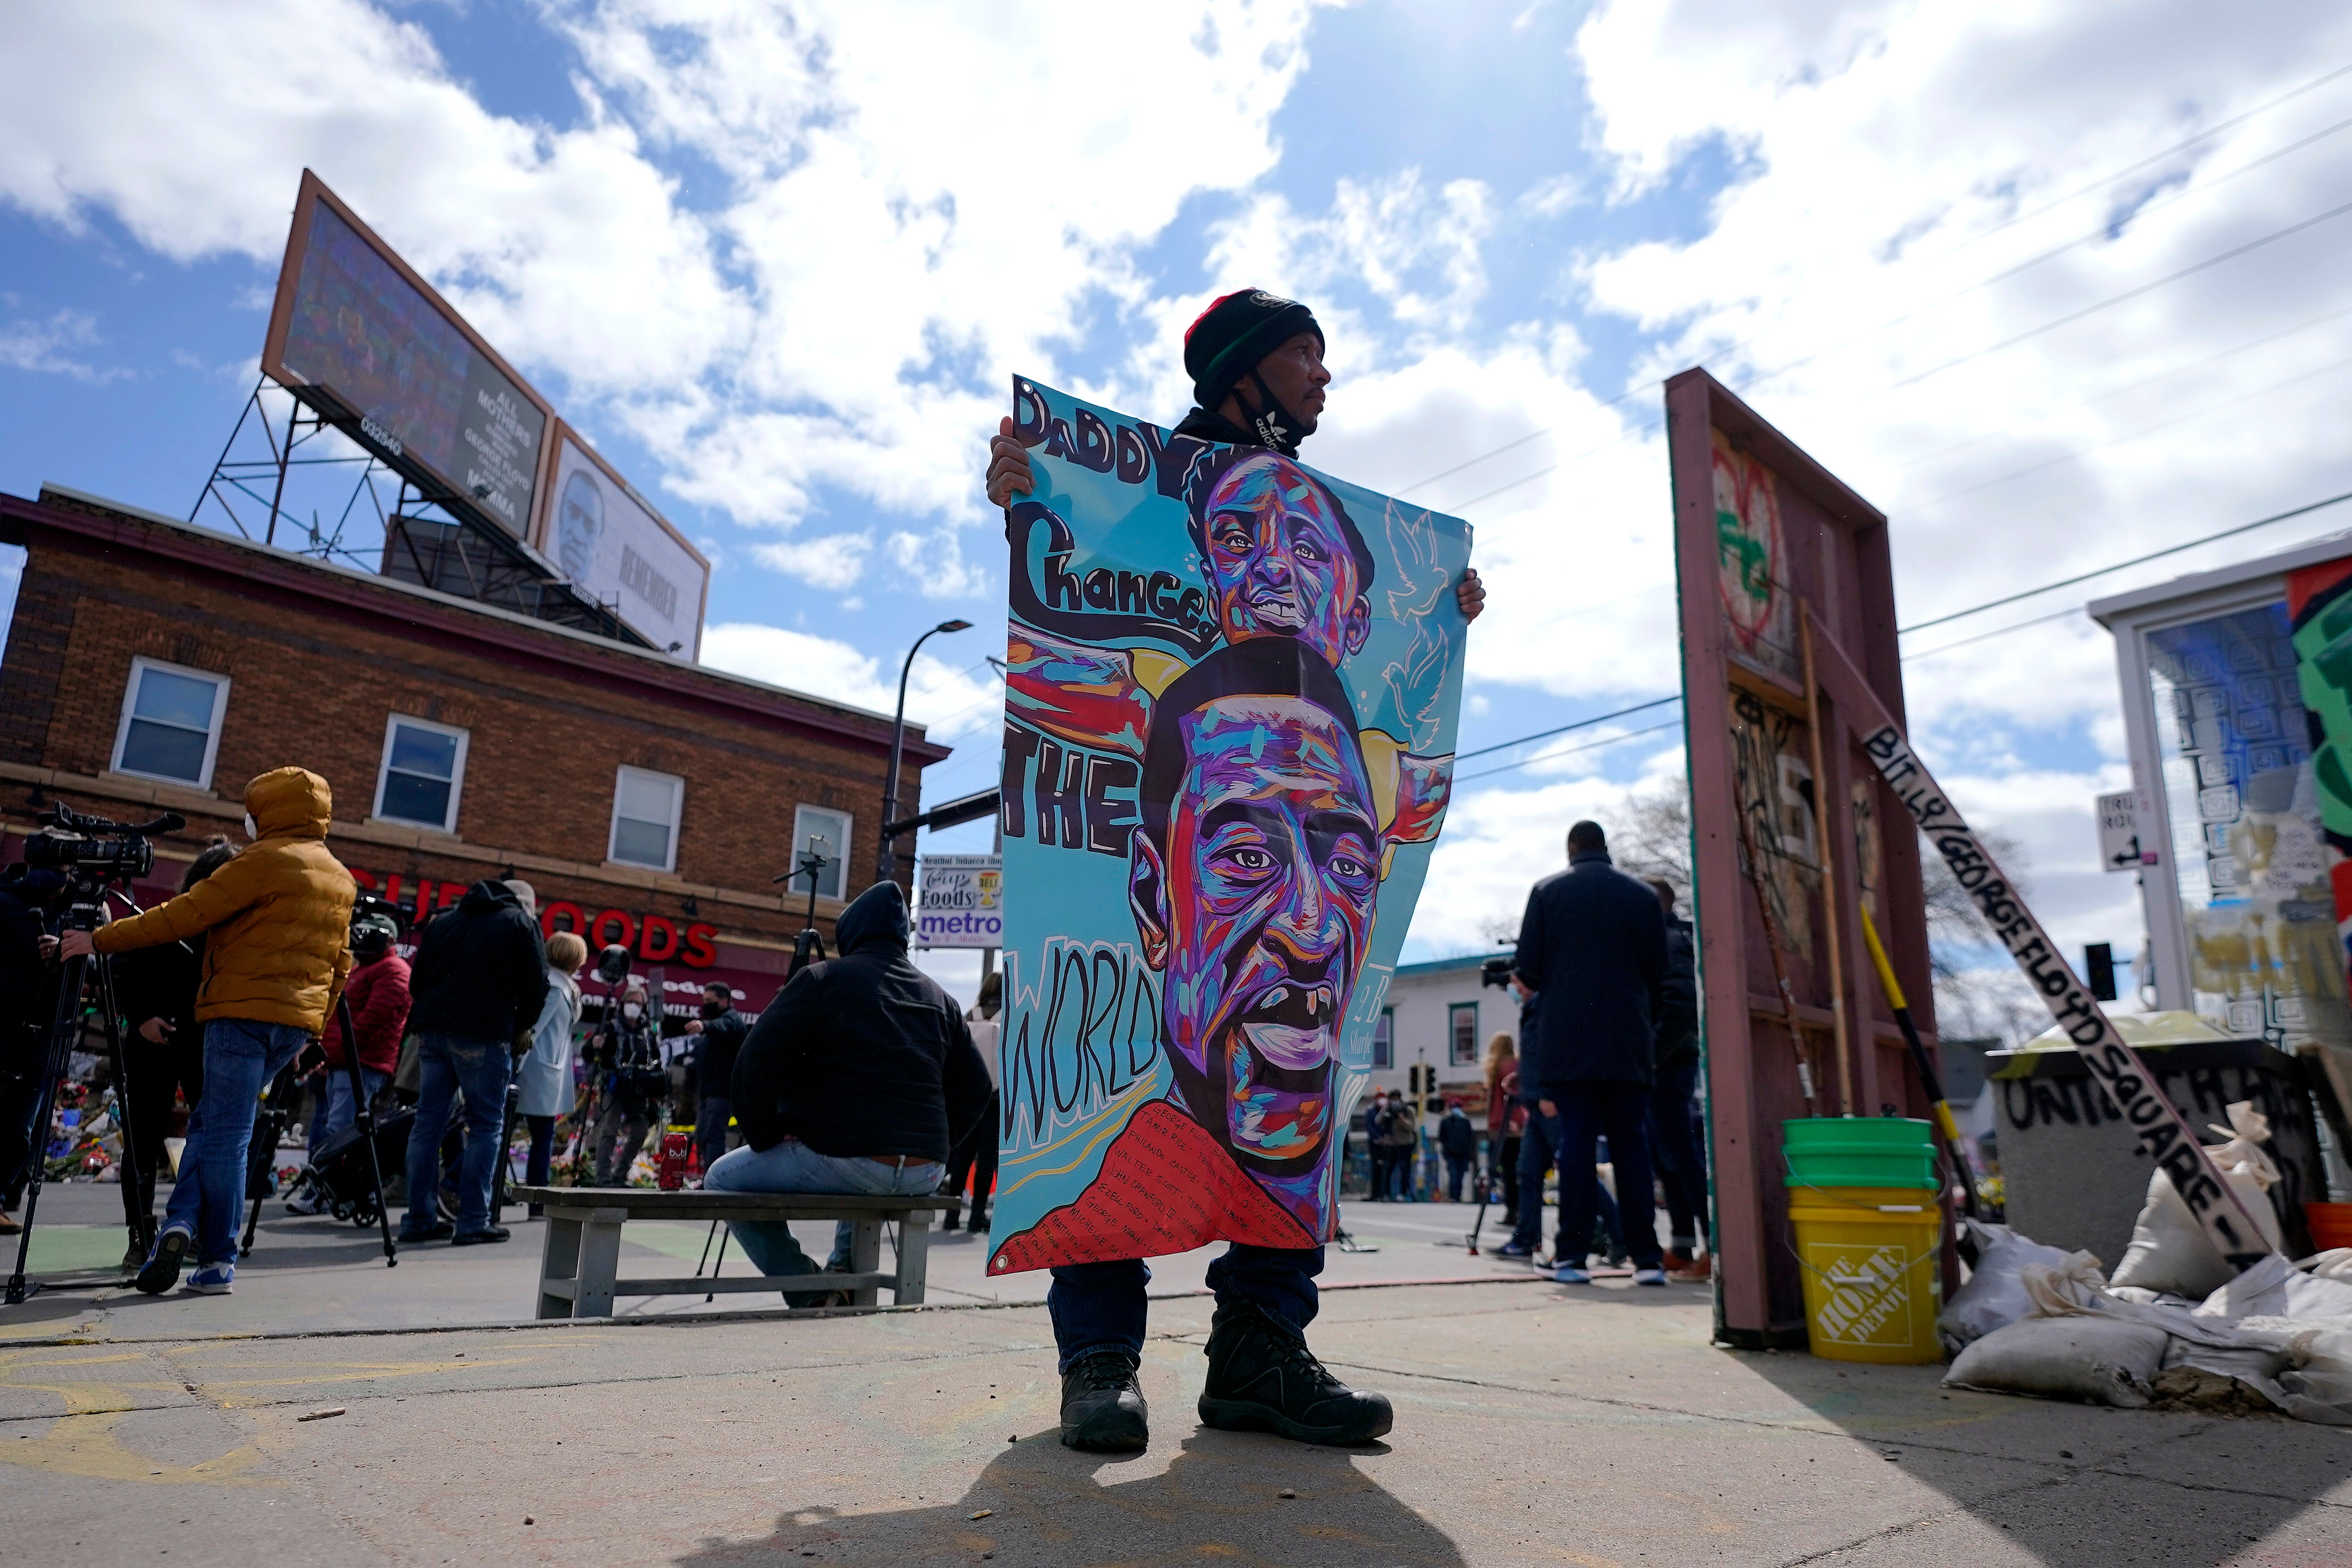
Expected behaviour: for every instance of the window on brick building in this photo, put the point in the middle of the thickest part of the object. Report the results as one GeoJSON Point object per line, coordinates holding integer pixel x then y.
{"type": "Point", "coordinates": [171, 722]}
{"type": "Point", "coordinates": [1462, 1034]}
{"type": "Point", "coordinates": [645, 807]}
{"type": "Point", "coordinates": [811, 823]}
{"type": "Point", "coordinates": [1384, 1038]}
{"type": "Point", "coordinates": [424, 770]}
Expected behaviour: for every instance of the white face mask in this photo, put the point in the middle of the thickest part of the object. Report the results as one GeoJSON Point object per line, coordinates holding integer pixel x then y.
{"type": "Point", "coordinates": [632, 1011]}
{"type": "Point", "coordinates": [251, 832]}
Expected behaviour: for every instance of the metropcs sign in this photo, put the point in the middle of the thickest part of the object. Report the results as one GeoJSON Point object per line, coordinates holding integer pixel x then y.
{"type": "Point", "coordinates": [959, 901]}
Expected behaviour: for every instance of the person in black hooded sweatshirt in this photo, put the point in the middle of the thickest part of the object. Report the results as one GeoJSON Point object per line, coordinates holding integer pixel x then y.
{"type": "Point", "coordinates": [1258, 379]}
{"type": "Point", "coordinates": [858, 1077]}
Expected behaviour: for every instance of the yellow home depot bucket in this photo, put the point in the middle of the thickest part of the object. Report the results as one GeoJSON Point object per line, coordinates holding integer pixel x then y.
{"type": "Point", "coordinates": [1874, 1280]}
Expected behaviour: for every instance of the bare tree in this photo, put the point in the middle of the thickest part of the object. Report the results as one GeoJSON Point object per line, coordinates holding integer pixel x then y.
{"type": "Point", "coordinates": [1978, 992]}
{"type": "Point", "coordinates": [1654, 838]}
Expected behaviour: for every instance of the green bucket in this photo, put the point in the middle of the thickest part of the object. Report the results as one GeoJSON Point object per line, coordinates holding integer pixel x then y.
{"type": "Point", "coordinates": [1859, 1151]}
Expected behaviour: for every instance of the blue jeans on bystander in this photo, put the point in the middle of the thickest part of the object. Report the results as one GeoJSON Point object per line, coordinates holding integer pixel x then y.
{"type": "Point", "coordinates": [241, 1056]}
{"type": "Point", "coordinates": [447, 1064]}
{"type": "Point", "coordinates": [793, 1166]}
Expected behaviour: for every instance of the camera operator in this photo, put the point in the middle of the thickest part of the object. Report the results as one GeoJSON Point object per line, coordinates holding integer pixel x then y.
{"type": "Point", "coordinates": [27, 996]}
{"type": "Point", "coordinates": [163, 1054]}
{"type": "Point", "coordinates": [379, 996]}
{"type": "Point", "coordinates": [279, 915]}
{"type": "Point", "coordinates": [480, 978]}
{"type": "Point", "coordinates": [721, 1029]}
{"type": "Point", "coordinates": [629, 1048]}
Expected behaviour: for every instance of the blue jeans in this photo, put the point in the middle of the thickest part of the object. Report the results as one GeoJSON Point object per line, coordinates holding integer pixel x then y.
{"type": "Point", "coordinates": [1622, 1111]}
{"type": "Point", "coordinates": [1101, 1306]}
{"type": "Point", "coordinates": [241, 1056]}
{"type": "Point", "coordinates": [342, 1111]}
{"type": "Point", "coordinates": [448, 1064]}
{"type": "Point", "coordinates": [1535, 1159]}
{"type": "Point", "coordinates": [793, 1166]}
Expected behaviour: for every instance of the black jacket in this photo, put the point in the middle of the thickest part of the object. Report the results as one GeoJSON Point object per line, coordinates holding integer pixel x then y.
{"type": "Point", "coordinates": [1678, 1039]}
{"type": "Point", "coordinates": [862, 1054]}
{"type": "Point", "coordinates": [1456, 1136]}
{"type": "Point", "coordinates": [481, 969]}
{"type": "Point", "coordinates": [714, 1058]}
{"type": "Point", "coordinates": [160, 981]}
{"type": "Point", "coordinates": [1592, 945]}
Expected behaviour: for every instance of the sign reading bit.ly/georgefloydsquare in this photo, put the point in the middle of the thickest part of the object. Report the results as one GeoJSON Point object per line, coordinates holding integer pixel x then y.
{"type": "Point", "coordinates": [959, 901]}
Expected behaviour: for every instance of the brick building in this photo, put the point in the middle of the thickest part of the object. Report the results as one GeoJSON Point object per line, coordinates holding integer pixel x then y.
{"type": "Point", "coordinates": [156, 666]}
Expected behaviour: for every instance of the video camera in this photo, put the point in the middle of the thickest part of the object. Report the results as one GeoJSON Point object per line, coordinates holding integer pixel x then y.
{"type": "Point", "coordinates": [1495, 972]}
{"type": "Point", "coordinates": [92, 851]}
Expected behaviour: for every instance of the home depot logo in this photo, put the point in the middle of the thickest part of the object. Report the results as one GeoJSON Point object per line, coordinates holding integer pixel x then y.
{"type": "Point", "coordinates": [1865, 1295]}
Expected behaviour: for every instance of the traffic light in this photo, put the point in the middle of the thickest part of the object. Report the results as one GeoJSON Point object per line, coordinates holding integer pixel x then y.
{"type": "Point", "coordinates": [2099, 970]}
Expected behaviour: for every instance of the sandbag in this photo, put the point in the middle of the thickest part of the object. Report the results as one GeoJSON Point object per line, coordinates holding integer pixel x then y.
{"type": "Point", "coordinates": [2273, 1288]}
{"type": "Point", "coordinates": [1995, 1295]}
{"type": "Point", "coordinates": [2089, 1358]}
{"type": "Point", "coordinates": [2170, 1251]}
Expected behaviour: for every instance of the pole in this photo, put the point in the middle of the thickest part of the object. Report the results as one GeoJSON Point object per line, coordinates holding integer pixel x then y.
{"type": "Point", "coordinates": [1822, 829]}
{"type": "Point", "coordinates": [1779, 965]}
{"type": "Point", "coordinates": [1941, 1110]}
{"type": "Point", "coordinates": [887, 863]}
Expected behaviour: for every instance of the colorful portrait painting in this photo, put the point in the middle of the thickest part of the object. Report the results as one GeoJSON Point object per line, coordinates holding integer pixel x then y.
{"type": "Point", "coordinates": [1229, 728]}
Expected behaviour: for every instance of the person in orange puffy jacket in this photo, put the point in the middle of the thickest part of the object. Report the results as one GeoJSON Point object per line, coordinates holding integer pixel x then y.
{"type": "Point", "coordinates": [278, 920]}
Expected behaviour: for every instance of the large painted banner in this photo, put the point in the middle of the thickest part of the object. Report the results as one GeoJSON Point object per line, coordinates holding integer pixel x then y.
{"type": "Point", "coordinates": [1229, 730]}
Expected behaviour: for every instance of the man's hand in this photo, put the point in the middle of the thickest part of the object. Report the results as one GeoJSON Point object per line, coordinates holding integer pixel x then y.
{"type": "Point", "coordinates": [48, 946]}
{"type": "Point", "coordinates": [1469, 593]}
{"type": "Point", "coordinates": [1547, 1108]}
{"type": "Point", "coordinates": [1008, 466]}
{"type": "Point", "coordinates": [75, 944]}
{"type": "Point", "coordinates": [157, 1030]}
{"type": "Point", "coordinates": [693, 1026]}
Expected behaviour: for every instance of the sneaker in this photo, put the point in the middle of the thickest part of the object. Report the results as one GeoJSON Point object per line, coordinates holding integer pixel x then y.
{"type": "Point", "coordinates": [305, 1202]}
{"type": "Point", "coordinates": [213, 1279]}
{"type": "Point", "coordinates": [1649, 1277]}
{"type": "Point", "coordinates": [979, 1225]}
{"type": "Point", "coordinates": [439, 1230]}
{"type": "Point", "coordinates": [1263, 1378]}
{"type": "Point", "coordinates": [954, 1220]}
{"type": "Point", "coordinates": [1102, 1405]}
{"type": "Point", "coordinates": [1514, 1250]}
{"type": "Point", "coordinates": [162, 1269]}
{"type": "Point", "coordinates": [481, 1237]}
{"type": "Point", "coordinates": [1570, 1274]}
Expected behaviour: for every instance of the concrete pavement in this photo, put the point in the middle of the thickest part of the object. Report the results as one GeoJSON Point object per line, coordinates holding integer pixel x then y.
{"type": "Point", "coordinates": [1536, 1424]}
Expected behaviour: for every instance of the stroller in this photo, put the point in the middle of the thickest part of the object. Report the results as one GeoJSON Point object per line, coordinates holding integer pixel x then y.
{"type": "Point", "coordinates": [345, 1177]}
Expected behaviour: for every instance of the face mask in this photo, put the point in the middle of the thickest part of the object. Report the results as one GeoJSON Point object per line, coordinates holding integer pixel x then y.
{"type": "Point", "coordinates": [632, 1011]}
{"type": "Point", "coordinates": [250, 830]}
{"type": "Point", "coordinates": [713, 1009]}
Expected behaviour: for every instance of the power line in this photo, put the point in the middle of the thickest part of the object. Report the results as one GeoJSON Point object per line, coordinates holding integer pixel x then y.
{"type": "Point", "coordinates": [2114, 299]}
{"type": "Point", "coordinates": [1997, 632]}
{"type": "Point", "coordinates": [1460, 757]}
{"type": "Point", "coordinates": [1568, 752]}
{"type": "Point", "coordinates": [2134, 560]}
{"type": "Point", "coordinates": [2149, 162]}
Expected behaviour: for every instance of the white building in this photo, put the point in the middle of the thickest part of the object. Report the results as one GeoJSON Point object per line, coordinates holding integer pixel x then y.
{"type": "Point", "coordinates": [1439, 1016]}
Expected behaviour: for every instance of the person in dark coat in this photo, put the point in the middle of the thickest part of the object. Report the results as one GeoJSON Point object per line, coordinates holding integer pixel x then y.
{"type": "Point", "coordinates": [163, 1051]}
{"type": "Point", "coordinates": [859, 1077]}
{"type": "Point", "coordinates": [1674, 1141]}
{"type": "Point", "coordinates": [1376, 1143]}
{"type": "Point", "coordinates": [28, 993]}
{"type": "Point", "coordinates": [480, 978]}
{"type": "Point", "coordinates": [1592, 946]}
{"type": "Point", "coordinates": [720, 1033]}
{"type": "Point", "coordinates": [1459, 1142]}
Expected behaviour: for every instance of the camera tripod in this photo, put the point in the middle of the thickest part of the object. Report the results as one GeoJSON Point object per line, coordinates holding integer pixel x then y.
{"type": "Point", "coordinates": [91, 971]}
{"type": "Point", "coordinates": [278, 1110]}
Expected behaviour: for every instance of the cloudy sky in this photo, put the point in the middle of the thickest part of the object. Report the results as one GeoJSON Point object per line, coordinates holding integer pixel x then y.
{"type": "Point", "coordinates": [2052, 284]}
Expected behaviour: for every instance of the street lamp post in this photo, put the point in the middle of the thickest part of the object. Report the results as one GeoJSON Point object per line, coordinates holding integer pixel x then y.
{"type": "Point", "coordinates": [886, 864]}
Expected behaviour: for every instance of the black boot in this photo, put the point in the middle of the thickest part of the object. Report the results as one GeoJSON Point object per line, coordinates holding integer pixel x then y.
{"type": "Point", "coordinates": [1102, 1405]}
{"type": "Point", "coordinates": [1263, 1378]}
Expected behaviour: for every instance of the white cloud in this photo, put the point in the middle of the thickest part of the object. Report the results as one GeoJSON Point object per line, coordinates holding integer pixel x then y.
{"type": "Point", "coordinates": [835, 561]}
{"type": "Point", "coordinates": [41, 346]}
{"type": "Point", "coordinates": [955, 700]}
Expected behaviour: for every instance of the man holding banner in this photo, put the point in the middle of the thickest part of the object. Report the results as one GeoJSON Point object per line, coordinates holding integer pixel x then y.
{"type": "Point", "coordinates": [1265, 817]}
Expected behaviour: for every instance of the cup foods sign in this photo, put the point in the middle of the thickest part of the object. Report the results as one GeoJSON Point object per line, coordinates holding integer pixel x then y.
{"type": "Point", "coordinates": [959, 901]}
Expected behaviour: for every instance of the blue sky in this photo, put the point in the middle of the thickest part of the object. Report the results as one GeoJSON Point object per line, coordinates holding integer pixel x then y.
{"type": "Point", "coordinates": [778, 261]}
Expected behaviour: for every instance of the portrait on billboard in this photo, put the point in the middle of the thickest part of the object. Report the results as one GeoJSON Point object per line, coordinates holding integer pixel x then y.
{"type": "Point", "coordinates": [1230, 715]}
{"type": "Point", "coordinates": [619, 551]}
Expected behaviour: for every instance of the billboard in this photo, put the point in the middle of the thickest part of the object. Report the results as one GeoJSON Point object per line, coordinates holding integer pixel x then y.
{"type": "Point", "coordinates": [1230, 719]}
{"type": "Point", "coordinates": [959, 901]}
{"type": "Point", "coordinates": [617, 550]}
{"type": "Point", "coordinates": [1792, 830]}
{"type": "Point", "coordinates": [367, 343]}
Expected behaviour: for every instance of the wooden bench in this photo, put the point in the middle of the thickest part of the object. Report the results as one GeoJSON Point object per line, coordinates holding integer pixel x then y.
{"type": "Point", "coordinates": [580, 1264]}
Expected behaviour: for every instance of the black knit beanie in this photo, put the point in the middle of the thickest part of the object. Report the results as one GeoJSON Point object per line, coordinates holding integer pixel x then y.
{"type": "Point", "coordinates": [1234, 333]}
